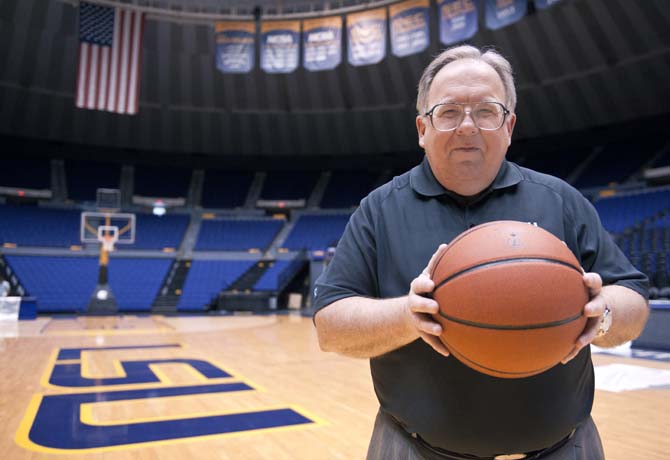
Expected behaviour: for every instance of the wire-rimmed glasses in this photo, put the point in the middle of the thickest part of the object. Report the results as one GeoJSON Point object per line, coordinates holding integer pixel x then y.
{"type": "Point", "coordinates": [487, 116]}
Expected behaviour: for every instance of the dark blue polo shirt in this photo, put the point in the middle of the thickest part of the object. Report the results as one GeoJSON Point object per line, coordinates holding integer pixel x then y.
{"type": "Point", "coordinates": [388, 242]}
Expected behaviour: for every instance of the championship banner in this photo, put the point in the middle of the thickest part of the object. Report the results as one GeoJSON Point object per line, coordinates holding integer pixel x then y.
{"type": "Point", "coordinates": [235, 46]}
{"type": "Point", "coordinates": [322, 43]}
{"type": "Point", "coordinates": [366, 36]}
{"type": "Point", "coordinates": [280, 43]}
{"type": "Point", "coordinates": [458, 20]}
{"type": "Point", "coordinates": [544, 4]}
{"type": "Point", "coordinates": [409, 27]}
{"type": "Point", "coordinates": [501, 13]}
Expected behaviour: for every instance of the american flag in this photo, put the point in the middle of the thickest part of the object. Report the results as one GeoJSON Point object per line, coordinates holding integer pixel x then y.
{"type": "Point", "coordinates": [108, 71]}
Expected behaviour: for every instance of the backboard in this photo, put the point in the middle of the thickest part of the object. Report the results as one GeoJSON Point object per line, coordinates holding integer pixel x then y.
{"type": "Point", "coordinates": [107, 228]}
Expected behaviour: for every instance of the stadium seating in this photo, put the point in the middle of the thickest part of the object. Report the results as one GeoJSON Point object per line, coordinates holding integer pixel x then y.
{"type": "Point", "coordinates": [32, 226]}
{"type": "Point", "coordinates": [135, 282]}
{"type": "Point", "coordinates": [237, 234]}
{"type": "Point", "coordinates": [206, 278]}
{"type": "Point", "coordinates": [60, 284]}
{"type": "Point", "coordinates": [313, 231]}
{"type": "Point", "coordinates": [65, 284]}
{"type": "Point", "coordinates": [620, 212]}
{"type": "Point", "coordinates": [158, 232]}
{"type": "Point", "coordinates": [270, 279]}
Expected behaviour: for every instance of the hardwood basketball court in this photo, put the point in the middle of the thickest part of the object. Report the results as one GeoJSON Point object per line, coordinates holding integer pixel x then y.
{"type": "Point", "coordinates": [224, 388]}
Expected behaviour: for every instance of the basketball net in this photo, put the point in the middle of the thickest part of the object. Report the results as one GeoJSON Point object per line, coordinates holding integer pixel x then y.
{"type": "Point", "coordinates": [108, 242]}
{"type": "Point", "coordinates": [108, 235]}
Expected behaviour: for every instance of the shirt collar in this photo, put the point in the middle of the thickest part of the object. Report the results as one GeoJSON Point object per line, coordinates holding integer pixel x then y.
{"type": "Point", "coordinates": [423, 181]}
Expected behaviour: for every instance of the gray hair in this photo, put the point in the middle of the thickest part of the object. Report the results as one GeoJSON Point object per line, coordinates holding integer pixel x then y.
{"type": "Point", "coordinates": [488, 56]}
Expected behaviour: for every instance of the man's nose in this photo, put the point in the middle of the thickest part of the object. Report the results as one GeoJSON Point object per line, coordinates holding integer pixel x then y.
{"type": "Point", "coordinates": [467, 126]}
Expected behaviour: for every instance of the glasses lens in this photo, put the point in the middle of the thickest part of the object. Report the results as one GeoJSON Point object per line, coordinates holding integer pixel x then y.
{"type": "Point", "coordinates": [447, 116]}
{"type": "Point", "coordinates": [485, 115]}
{"type": "Point", "coordinates": [488, 115]}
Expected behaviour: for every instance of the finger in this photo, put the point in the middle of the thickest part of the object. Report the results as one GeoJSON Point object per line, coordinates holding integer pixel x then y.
{"type": "Point", "coordinates": [425, 325]}
{"type": "Point", "coordinates": [586, 338]}
{"type": "Point", "coordinates": [436, 344]}
{"type": "Point", "coordinates": [422, 284]}
{"type": "Point", "coordinates": [594, 282]}
{"type": "Point", "coordinates": [595, 307]}
{"type": "Point", "coordinates": [434, 259]}
{"type": "Point", "coordinates": [420, 304]}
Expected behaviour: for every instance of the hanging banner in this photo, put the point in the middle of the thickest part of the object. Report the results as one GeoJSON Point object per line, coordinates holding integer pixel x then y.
{"type": "Point", "coordinates": [280, 42]}
{"type": "Point", "coordinates": [322, 43]}
{"type": "Point", "coordinates": [409, 27]}
{"type": "Point", "coordinates": [501, 13]}
{"type": "Point", "coordinates": [458, 20]}
{"type": "Point", "coordinates": [366, 37]}
{"type": "Point", "coordinates": [544, 4]}
{"type": "Point", "coordinates": [235, 46]}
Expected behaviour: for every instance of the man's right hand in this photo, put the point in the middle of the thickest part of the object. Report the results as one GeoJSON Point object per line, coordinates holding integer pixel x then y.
{"type": "Point", "coordinates": [420, 308]}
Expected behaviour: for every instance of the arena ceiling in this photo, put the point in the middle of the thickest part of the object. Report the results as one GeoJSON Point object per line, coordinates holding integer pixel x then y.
{"type": "Point", "coordinates": [579, 64]}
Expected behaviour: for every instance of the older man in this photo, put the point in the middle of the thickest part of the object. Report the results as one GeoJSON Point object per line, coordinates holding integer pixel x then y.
{"type": "Point", "coordinates": [370, 301]}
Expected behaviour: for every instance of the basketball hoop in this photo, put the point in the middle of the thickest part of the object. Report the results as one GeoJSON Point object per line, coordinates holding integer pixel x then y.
{"type": "Point", "coordinates": [108, 243]}
{"type": "Point", "coordinates": [108, 235]}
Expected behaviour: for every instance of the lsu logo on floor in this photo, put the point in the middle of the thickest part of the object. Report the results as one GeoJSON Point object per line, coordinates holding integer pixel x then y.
{"type": "Point", "coordinates": [63, 420]}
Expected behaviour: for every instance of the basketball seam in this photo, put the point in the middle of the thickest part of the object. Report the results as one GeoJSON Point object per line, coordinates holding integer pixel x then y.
{"type": "Point", "coordinates": [461, 236]}
{"type": "Point", "coordinates": [511, 327]}
{"type": "Point", "coordinates": [529, 373]}
{"type": "Point", "coordinates": [502, 262]}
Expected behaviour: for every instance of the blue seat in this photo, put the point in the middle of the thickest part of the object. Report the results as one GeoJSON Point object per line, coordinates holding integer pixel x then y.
{"type": "Point", "coordinates": [316, 232]}
{"type": "Point", "coordinates": [206, 278]}
{"type": "Point", "coordinates": [32, 226]}
{"type": "Point", "coordinates": [60, 284]}
{"type": "Point", "coordinates": [269, 281]}
{"type": "Point", "coordinates": [135, 282]}
{"type": "Point", "coordinates": [237, 234]}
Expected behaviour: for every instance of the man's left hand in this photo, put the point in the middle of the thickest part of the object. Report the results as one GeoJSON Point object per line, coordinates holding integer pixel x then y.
{"type": "Point", "coordinates": [593, 311]}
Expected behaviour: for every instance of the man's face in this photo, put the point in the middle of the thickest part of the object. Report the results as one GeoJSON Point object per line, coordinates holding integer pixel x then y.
{"type": "Point", "coordinates": [465, 160]}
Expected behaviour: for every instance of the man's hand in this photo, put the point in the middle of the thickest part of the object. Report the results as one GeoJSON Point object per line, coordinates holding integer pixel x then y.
{"type": "Point", "coordinates": [593, 310]}
{"type": "Point", "coordinates": [421, 308]}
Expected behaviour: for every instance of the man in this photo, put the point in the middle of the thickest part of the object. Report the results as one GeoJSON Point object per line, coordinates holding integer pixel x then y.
{"type": "Point", "coordinates": [371, 301]}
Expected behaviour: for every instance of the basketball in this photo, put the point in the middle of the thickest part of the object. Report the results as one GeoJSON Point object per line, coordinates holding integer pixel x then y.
{"type": "Point", "coordinates": [510, 297]}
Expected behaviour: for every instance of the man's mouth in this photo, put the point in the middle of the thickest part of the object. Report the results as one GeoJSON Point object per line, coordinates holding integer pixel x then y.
{"type": "Point", "coordinates": [467, 149]}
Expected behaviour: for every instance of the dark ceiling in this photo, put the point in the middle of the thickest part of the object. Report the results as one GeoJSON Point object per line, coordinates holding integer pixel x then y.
{"type": "Point", "coordinates": [580, 64]}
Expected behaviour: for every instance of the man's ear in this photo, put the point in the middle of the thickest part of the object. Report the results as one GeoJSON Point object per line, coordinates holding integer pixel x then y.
{"type": "Point", "coordinates": [421, 129]}
{"type": "Point", "coordinates": [509, 125]}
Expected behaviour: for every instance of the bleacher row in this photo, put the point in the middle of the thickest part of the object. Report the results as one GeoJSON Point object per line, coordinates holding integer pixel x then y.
{"type": "Point", "coordinates": [39, 227]}
{"type": "Point", "coordinates": [65, 283]}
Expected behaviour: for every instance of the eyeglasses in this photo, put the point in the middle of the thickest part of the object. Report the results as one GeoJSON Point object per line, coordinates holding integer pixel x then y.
{"type": "Point", "coordinates": [487, 116]}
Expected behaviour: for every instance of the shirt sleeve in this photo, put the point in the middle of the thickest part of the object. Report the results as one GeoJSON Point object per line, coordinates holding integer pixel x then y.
{"type": "Point", "coordinates": [600, 254]}
{"type": "Point", "coordinates": [352, 271]}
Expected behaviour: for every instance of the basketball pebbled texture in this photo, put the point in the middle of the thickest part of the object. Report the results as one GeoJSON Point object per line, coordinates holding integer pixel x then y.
{"type": "Point", "coordinates": [511, 299]}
